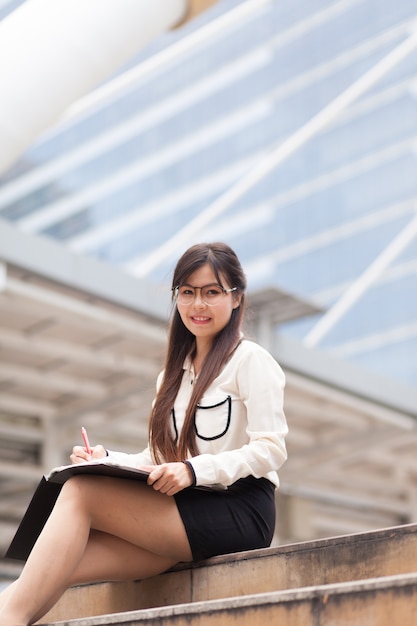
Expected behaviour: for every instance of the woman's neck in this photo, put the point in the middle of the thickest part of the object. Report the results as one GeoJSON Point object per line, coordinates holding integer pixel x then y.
{"type": "Point", "coordinates": [199, 356]}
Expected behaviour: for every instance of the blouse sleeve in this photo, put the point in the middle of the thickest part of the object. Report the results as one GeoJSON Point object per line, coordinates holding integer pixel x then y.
{"type": "Point", "coordinates": [130, 460]}
{"type": "Point", "coordinates": [260, 382]}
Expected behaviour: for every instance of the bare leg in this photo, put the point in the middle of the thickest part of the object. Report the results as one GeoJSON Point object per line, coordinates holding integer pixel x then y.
{"type": "Point", "coordinates": [109, 558]}
{"type": "Point", "coordinates": [4, 595]}
{"type": "Point", "coordinates": [129, 515]}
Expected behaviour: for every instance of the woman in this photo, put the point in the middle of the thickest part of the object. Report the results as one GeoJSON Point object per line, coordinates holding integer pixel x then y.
{"type": "Point", "coordinates": [217, 421]}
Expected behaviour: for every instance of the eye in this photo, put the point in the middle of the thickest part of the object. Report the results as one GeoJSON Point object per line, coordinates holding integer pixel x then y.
{"type": "Point", "coordinates": [212, 291]}
{"type": "Point", "coordinates": [186, 291]}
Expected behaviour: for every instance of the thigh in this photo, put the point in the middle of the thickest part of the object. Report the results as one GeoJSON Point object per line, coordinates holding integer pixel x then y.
{"type": "Point", "coordinates": [132, 511]}
{"type": "Point", "coordinates": [107, 557]}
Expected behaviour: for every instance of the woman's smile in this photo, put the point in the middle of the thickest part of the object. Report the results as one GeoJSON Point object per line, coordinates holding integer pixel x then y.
{"type": "Point", "coordinates": [199, 319]}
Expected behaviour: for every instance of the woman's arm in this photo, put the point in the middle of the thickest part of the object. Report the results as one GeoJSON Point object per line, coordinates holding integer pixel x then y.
{"type": "Point", "coordinates": [79, 455]}
{"type": "Point", "coordinates": [260, 382]}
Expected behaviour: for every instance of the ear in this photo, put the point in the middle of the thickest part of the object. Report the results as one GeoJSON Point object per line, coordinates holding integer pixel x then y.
{"type": "Point", "coordinates": [237, 300]}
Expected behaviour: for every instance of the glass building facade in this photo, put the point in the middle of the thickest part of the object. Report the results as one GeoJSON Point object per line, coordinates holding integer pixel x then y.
{"type": "Point", "coordinates": [309, 90]}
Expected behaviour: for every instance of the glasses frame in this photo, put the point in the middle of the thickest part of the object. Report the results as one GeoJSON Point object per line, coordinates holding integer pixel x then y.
{"type": "Point", "coordinates": [224, 291]}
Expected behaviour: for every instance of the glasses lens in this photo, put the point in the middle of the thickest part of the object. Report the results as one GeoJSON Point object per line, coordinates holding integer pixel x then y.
{"type": "Point", "coordinates": [211, 294]}
{"type": "Point", "coordinates": [185, 295]}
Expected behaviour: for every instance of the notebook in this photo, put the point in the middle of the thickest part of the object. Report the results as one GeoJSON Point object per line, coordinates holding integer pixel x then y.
{"type": "Point", "coordinates": [46, 494]}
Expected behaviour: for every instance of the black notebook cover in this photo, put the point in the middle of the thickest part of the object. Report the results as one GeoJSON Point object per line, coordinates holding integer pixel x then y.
{"type": "Point", "coordinates": [45, 496]}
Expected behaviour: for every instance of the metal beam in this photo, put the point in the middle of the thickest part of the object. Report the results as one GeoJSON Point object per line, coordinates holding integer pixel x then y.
{"type": "Point", "coordinates": [98, 313]}
{"type": "Point", "coordinates": [298, 139]}
{"type": "Point", "coordinates": [51, 348]}
{"type": "Point", "coordinates": [26, 406]}
{"type": "Point", "coordinates": [384, 399]}
{"type": "Point", "coordinates": [17, 471]}
{"type": "Point", "coordinates": [52, 381]}
{"type": "Point", "coordinates": [50, 259]}
{"type": "Point", "coordinates": [361, 284]}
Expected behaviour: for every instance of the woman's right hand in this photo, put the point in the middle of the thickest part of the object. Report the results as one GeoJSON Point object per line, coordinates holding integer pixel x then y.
{"type": "Point", "coordinates": [80, 455]}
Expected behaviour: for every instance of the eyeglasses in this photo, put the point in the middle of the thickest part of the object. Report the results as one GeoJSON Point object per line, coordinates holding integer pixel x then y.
{"type": "Point", "coordinates": [210, 294]}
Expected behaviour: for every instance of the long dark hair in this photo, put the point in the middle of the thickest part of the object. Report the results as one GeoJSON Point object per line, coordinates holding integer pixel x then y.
{"type": "Point", "coordinates": [181, 343]}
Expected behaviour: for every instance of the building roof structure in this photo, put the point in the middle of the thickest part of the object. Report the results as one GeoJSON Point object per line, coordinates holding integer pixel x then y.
{"type": "Point", "coordinates": [287, 129]}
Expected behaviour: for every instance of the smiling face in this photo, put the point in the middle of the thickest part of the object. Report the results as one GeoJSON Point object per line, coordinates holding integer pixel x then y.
{"type": "Point", "coordinates": [202, 320]}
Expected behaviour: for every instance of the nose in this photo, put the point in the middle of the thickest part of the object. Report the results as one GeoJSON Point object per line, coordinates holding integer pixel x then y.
{"type": "Point", "coordinates": [198, 298]}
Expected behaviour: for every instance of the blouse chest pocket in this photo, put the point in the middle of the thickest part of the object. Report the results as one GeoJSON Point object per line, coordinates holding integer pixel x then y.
{"type": "Point", "coordinates": [212, 419]}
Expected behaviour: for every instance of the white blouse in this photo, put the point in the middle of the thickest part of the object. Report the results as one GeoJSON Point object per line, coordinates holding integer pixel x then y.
{"type": "Point", "coordinates": [240, 422]}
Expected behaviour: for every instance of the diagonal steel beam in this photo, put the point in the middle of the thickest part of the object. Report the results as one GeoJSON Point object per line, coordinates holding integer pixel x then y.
{"type": "Point", "coordinates": [361, 285]}
{"type": "Point", "coordinates": [280, 154]}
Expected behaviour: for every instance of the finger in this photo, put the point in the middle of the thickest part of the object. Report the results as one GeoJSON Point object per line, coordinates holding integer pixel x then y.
{"type": "Point", "coordinates": [79, 454]}
{"type": "Point", "coordinates": [156, 472]}
{"type": "Point", "coordinates": [98, 452]}
{"type": "Point", "coordinates": [173, 491]}
{"type": "Point", "coordinates": [160, 483]}
{"type": "Point", "coordinates": [78, 459]}
{"type": "Point", "coordinates": [165, 488]}
{"type": "Point", "coordinates": [167, 484]}
{"type": "Point", "coordinates": [153, 477]}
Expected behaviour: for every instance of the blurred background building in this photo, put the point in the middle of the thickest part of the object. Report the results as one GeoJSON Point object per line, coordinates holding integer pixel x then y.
{"type": "Point", "coordinates": [128, 170]}
{"type": "Point", "coordinates": [287, 129]}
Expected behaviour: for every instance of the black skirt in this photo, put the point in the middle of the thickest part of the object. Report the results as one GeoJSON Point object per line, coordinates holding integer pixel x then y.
{"type": "Point", "coordinates": [237, 519]}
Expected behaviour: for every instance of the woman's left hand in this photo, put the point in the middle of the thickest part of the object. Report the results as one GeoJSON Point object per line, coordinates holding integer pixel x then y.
{"type": "Point", "coordinates": [168, 478]}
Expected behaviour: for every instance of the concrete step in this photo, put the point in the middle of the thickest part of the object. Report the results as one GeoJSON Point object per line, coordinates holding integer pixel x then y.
{"type": "Point", "coordinates": [343, 559]}
{"type": "Point", "coordinates": [385, 601]}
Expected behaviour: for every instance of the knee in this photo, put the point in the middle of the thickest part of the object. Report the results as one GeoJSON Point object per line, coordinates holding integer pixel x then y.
{"type": "Point", "coordinates": [78, 490]}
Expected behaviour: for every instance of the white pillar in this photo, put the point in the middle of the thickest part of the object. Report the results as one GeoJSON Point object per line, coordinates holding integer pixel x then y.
{"type": "Point", "coordinates": [53, 52]}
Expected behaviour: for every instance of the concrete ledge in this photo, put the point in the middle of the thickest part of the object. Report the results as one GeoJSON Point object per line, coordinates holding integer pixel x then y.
{"type": "Point", "coordinates": [335, 560]}
{"type": "Point", "coordinates": [383, 601]}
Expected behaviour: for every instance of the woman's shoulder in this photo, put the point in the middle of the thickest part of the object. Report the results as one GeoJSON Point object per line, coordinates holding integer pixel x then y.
{"type": "Point", "coordinates": [248, 348]}
{"type": "Point", "coordinates": [253, 360]}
